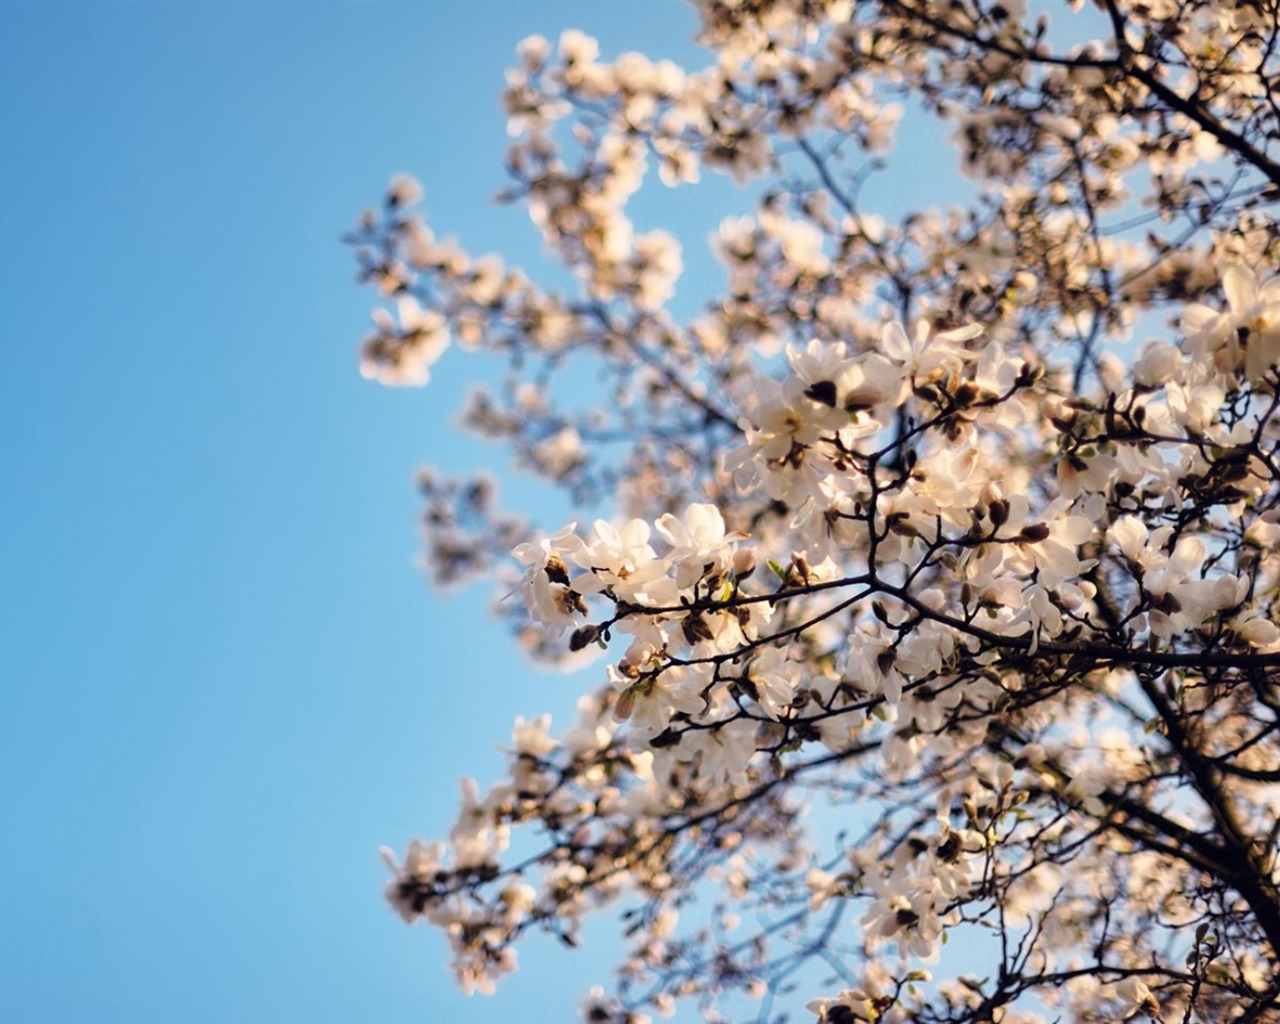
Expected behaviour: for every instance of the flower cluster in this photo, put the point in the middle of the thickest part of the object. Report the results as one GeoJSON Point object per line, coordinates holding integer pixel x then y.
{"type": "Point", "coordinates": [910, 520]}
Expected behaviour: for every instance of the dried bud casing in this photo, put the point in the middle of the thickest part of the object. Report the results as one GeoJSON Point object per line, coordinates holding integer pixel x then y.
{"type": "Point", "coordinates": [823, 392]}
{"type": "Point", "coordinates": [583, 636]}
{"type": "Point", "coordinates": [1034, 533]}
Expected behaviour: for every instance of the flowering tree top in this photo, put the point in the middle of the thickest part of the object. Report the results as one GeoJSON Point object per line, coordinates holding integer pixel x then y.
{"type": "Point", "coordinates": [963, 525]}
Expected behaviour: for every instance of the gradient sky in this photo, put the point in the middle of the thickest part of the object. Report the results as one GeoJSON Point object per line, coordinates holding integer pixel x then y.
{"type": "Point", "coordinates": [224, 682]}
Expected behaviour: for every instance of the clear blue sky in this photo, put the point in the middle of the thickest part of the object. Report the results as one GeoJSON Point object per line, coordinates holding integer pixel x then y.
{"type": "Point", "coordinates": [224, 685]}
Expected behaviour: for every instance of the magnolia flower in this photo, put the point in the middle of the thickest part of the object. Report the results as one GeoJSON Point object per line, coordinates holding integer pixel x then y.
{"type": "Point", "coordinates": [403, 354]}
{"type": "Point", "coordinates": [877, 999]}
{"type": "Point", "coordinates": [1181, 598]}
{"type": "Point", "coordinates": [871, 666]}
{"type": "Point", "coordinates": [578, 48]}
{"type": "Point", "coordinates": [1194, 408]}
{"type": "Point", "coordinates": [620, 559]}
{"type": "Point", "coordinates": [700, 546]}
{"type": "Point", "coordinates": [875, 383]}
{"type": "Point", "coordinates": [650, 702]}
{"type": "Point", "coordinates": [544, 586]}
{"type": "Point", "coordinates": [1250, 326]}
{"type": "Point", "coordinates": [818, 362]}
{"type": "Point", "coordinates": [772, 676]}
{"type": "Point", "coordinates": [657, 264]}
{"type": "Point", "coordinates": [1129, 535]}
{"type": "Point", "coordinates": [1085, 474]}
{"type": "Point", "coordinates": [1048, 542]}
{"type": "Point", "coordinates": [532, 739]}
{"type": "Point", "coordinates": [404, 190]}
{"type": "Point", "coordinates": [477, 837]}
{"type": "Point", "coordinates": [533, 50]}
{"type": "Point", "coordinates": [787, 425]}
{"type": "Point", "coordinates": [823, 886]}
{"type": "Point", "coordinates": [725, 750]}
{"type": "Point", "coordinates": [908, 912]}
{"type": "Point", "coordinates": [786, 419]}
{"type": "Point", "coordinates": [1157, 364]}
{"type": "Point", "coordinates": [800, 242]}
{"type": "Point", "coordinates": [1256, 630]}
{"type": "Point", "coordinates": [560, 453]}
{"type": "Point", "coordinates": [517, 899]}
{"type": "Point", "coordinates": [412, 879]}
{"type": "Point", "coordinates": [1135, 995]}
{"type": "Point", "coordinates": [928, 357]}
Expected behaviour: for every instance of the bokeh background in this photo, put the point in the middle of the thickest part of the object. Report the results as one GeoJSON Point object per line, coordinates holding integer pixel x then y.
{"type": "Point", "coordinates": [223, 681]}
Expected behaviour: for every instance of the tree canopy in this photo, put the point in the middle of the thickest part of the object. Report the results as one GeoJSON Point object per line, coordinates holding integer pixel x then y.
{"type": "Point", "coordinates": [961, 524]}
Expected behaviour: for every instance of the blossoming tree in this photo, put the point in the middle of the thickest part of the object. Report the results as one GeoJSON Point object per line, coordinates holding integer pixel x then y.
{"type": "Point", "coordinates": [964, 525]}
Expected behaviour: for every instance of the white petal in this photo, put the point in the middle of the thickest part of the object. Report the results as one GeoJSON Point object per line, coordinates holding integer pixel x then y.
{"type": "Point", "coordinates": [1241, 287]}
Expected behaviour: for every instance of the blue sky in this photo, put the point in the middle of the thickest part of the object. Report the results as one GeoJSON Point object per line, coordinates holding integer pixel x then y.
{"type": "Point", "coordinates": [225, 684]}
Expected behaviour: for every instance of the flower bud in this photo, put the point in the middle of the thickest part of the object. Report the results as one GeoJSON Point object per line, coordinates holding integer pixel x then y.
{"type": "Point", "coordinates": [744, 563]}
{"type": "Point", "coordinates": [1034, 533]}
